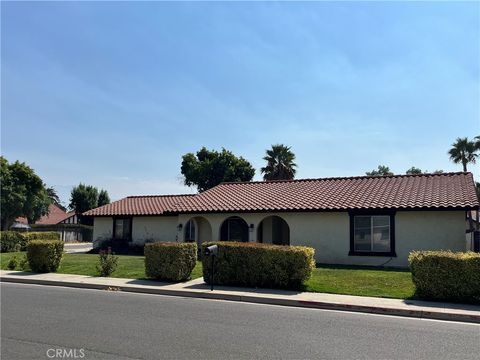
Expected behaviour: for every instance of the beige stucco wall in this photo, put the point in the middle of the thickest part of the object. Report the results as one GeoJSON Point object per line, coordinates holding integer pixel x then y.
{"type": "Point", "coordinates": [327, 232]}
{"type": "Point", "coordinates": [102, 228]}
{"type": "Point", "coordinates": [154, 228]}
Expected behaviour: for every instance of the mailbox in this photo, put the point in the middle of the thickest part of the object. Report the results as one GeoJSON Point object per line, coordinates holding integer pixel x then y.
{"type": "Point", "coordinates": [211, 250]}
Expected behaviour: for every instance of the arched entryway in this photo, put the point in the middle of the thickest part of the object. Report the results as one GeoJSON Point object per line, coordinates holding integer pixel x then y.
{"type": "Point", "coordinates": [273, 230]}
{"type": "Point", "coordinates": [234, 228]}
{"type": "Point", "coordinates": [198, 230]}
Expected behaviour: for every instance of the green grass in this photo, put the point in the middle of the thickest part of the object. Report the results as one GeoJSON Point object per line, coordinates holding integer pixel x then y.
{"type": "Point", "coordinates": [389, 283]}
{"type": "Point", "coordinates": [346, 280]}
{"type": "Point", "coordinates": [129, 266]}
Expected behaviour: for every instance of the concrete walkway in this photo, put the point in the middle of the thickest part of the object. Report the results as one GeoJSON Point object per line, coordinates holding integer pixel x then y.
{"type": "Point", "coordinates": [77, 248]}
{"type": "Point", "coordinates": [197, 288]}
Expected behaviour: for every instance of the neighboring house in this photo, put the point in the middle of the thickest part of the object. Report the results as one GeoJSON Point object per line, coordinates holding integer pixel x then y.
{"type": "Point", "coordinates": [353, 220]}
{"type": "Point", "coordinates": [55, 218]}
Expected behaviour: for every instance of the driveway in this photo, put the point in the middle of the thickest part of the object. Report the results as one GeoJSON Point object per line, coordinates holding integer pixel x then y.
{"type": "Point", "coordinates": [77, 248]}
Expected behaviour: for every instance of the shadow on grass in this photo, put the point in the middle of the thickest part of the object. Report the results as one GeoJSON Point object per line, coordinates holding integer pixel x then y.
{"type": "Point", "coordinates": [360, 267]}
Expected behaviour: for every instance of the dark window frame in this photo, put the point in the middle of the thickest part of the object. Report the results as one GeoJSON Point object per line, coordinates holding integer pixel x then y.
{"type": "Point", "coordinates": [129, 238]}
{"type": "Point", "coordinates": [353, 252]}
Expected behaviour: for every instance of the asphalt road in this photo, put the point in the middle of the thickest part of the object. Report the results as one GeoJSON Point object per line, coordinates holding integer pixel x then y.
{"type": "Point", "coordinates": [115, 325]}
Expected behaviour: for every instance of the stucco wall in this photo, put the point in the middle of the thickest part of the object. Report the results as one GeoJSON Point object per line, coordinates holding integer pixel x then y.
{"type": "Point", "coordinates": [327, 232]}
{"type": "Point", "coordinates": [154, 228]}
{"type": "Point", "coordinates": [102, 228]}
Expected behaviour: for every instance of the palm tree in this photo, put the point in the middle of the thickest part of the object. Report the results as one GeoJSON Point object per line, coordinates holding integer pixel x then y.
{"type": "Point", "coordinates": [53, 196]}
{"type": "Point", "coordinates": [463, 151]}
{"type": "Point", "coordinates": [477, 142]}
{"type": "Point", "coordinates": [280, 163]}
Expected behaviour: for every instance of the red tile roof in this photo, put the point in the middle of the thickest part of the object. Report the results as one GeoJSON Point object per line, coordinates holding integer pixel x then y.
{"type": "Point", "coordinates": [55, 215]}
{"type": "Point", "coordinates": [427, 191]}
{"type": "Point", "coordinates": [139, 205]}
{"type": "Point", "coordinates": [449, 190]}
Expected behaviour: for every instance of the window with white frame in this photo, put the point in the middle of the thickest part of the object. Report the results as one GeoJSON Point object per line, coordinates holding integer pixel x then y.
{"type": "Point", "coordinates": [190, 231]}
{"type": "Point", "coordinates": [372, 234]}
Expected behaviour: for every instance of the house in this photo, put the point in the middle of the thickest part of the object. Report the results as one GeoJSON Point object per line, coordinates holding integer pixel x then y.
{"type": "Point", "coordinates": [54, 221]}
{"type": "Point", "coordinates": [365, 220]}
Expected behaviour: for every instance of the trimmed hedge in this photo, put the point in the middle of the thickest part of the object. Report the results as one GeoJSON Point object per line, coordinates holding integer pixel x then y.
{"type": "Point", "coordinates": [170, 261]}
{"type": "Point", "coordinates": [446, 275]}
{"type": "Point", "coordinates": [44, 255]}
{"type": "Point", "coordinates": [17, 241]}
{"type": "Point", "coordinates": [259, 265]}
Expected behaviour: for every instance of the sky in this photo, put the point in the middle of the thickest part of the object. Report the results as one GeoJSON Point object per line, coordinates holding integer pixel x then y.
{"type": "Point", "coordinates": [112, 94]}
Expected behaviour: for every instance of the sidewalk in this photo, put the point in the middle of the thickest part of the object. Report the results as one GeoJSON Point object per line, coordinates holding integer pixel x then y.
{"type": "Point", "coordinates": [197, 288]}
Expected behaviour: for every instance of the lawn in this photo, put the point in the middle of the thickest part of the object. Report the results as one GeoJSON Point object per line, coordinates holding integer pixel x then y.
{"type": "Point", "coordinates": [346, 280]}
{"type": "Point", "coordinates": [129, 266]}
{"type": "Point", "coordinates": [349, 280]}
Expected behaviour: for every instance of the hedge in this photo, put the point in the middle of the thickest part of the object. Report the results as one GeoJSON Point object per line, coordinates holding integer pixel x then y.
{"type": "Point", "coordinates": [259, 265]}
{"type": "Point", "coordinates": [44, 255]}
{"type": "Point", "coordinates": [17, 241]}
{"type": "Point", "coordinates": [446, 275]}
{"type": "Point", "coordinates": [170, 261]}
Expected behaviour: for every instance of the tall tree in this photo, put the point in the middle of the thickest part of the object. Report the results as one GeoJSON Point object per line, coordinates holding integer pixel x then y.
{"type": "Point", "coordinates": [463, 152]}
{"type": "Point", "coordinates": [414, 171]}
{"type": "Point", "coordinates": [54, 198]}
{"type": "Point", "coordinates": [83, 197]}
{"type": "Point", "coordinates": [23, 193]}
{"type": "Point", "coordinates": [477, 142]}
{"type": "Point", "coordinates": [280, 163]}
{"type": "Point", "coordinates": [382, 170]}
{"type": "Point", "coordinates": [209, 168]}
{"type": "Point", "coordinates": [103, 198]}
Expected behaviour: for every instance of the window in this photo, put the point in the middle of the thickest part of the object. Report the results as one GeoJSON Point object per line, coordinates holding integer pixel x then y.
{"type": "Point", "coordinates": [190, 231]}
{"type": "Point", "coordinates": [372, 234]}
{"type": "Point", "coordinates": [122, 228]}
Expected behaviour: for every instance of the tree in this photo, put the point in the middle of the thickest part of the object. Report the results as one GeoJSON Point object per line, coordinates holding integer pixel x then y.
{"type": "Point", "coordinates": [414, 171]}
{"type": "Point", "coordinates": [382, 170]}
{"type": "Point", "coordinates": [463, 151]}
{"type": "Point", "coordinates": [209, 168]}
{"type": "Point", "coordinates": [23, 193]}
{"type": "Point", "coordinates": [54, 198]}
{"type": "Point", "coordinates": [83, 198]}
{"type": "Point", "coordinates": [103, 198]}
{"type": "Point", "coordinates": [477, 142]}
{"type": "Point", "coordinates": [280, 163]}
{"type": "Point", "coordinates": [477, 188]}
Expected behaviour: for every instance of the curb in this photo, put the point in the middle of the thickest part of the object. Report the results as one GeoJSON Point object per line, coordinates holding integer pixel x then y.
{"type": "Point", "coordinates": [436, 315]}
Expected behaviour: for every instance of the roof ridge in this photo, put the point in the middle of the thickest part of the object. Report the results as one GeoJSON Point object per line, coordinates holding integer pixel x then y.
{"type": "Point", "coordinates": [144, 196]}
{"type": "Point", "coordinates": [346, 178]}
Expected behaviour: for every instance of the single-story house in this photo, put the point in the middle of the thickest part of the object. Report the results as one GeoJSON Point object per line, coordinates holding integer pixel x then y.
{"type": "Point", "coordinates": [365, 220]}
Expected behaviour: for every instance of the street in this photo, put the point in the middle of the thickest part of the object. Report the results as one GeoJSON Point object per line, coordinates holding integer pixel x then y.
{"type": "Point", "coordinates": [92, 324]}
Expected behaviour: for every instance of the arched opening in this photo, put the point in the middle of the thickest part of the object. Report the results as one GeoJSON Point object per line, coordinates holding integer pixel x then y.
{"type": "Point", "coordinates": [273, 230]}
{"type": "Point", "coordinates": [198, 230]}
{"type": "Point", "coordinates": [234, 228]}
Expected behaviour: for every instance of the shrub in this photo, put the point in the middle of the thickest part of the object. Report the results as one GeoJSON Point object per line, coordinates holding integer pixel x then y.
{"type": "Point", "coordinates": [107, 262]}
{"type": "Point", "coordinates": [12, 241]}
{"type": "Point", "coordinates": [41, 235]}
{"type": "Point", "coordinates": [170, 261]}
{"type": "Point", "coordinates": [12, 263]}
{"type": "Point", "coordinates": [259, 265]}
{"type": "Point", "coordinates": [44, 255]}
{"type": "Point", "coordinates": [446, 275]}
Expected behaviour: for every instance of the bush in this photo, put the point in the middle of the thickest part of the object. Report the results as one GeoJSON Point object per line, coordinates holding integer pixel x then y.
{"type": "Point", "coordinates": [170, 261]}
{"type": "Point", "coordinates": [12, 263]}
{"type": "Point", "coordinates": [107, 262]}
{"type": "Point", "coordinates": [259, 265]}
{"type": "Point", "coordinates": [446, 275]}
{"type": "Point", "coordinates": [44, 255]}
{"type": "Point", "coordinates": [12, 241]}
{"type": "Point", "coordinates": [17, 241]}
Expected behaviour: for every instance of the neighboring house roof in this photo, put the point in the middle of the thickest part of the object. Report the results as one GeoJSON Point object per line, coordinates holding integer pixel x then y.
{"type": "Point", "coordinates": [426, 191]}
{"type": "Point", "coordinates": [55, 215]}
{"type": "Point", "coordinates": [139, 205]}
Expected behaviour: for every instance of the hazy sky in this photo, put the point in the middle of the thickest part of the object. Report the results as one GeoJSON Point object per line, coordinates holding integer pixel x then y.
{"type": "Point", "coordinates": [113, 94]}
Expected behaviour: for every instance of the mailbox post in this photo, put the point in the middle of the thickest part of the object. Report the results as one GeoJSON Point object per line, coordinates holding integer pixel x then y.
{"type": "Point", "coordinates": [212, 251]}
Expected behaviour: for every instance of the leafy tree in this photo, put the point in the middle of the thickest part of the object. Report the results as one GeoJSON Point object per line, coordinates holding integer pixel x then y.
{"type": "Point", "coordinates": [23, 193]}
{"type": "Point", "coordinates": [463, 151]}
{"type": "Point", "coordinates": [414, 171]}
{"type": "Point", "coordinates": [209, 168]}
{"type": "Point", "coordinates": [382, 170]}
{"type": "Point", "coordinates": [103, 198]}
{"type": "Point", "coordinates": [280, 163]}
{"type": "Point", "coordinates": [83, 197]}
{"type": "Point", "coordinates": [477, 142]}
{"type": "Point", "coordinates": [54, 198]}
{"type": "Point", "coordinates": [438, 172]}
{"type": "Point", "coordinates": [477, 187]}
